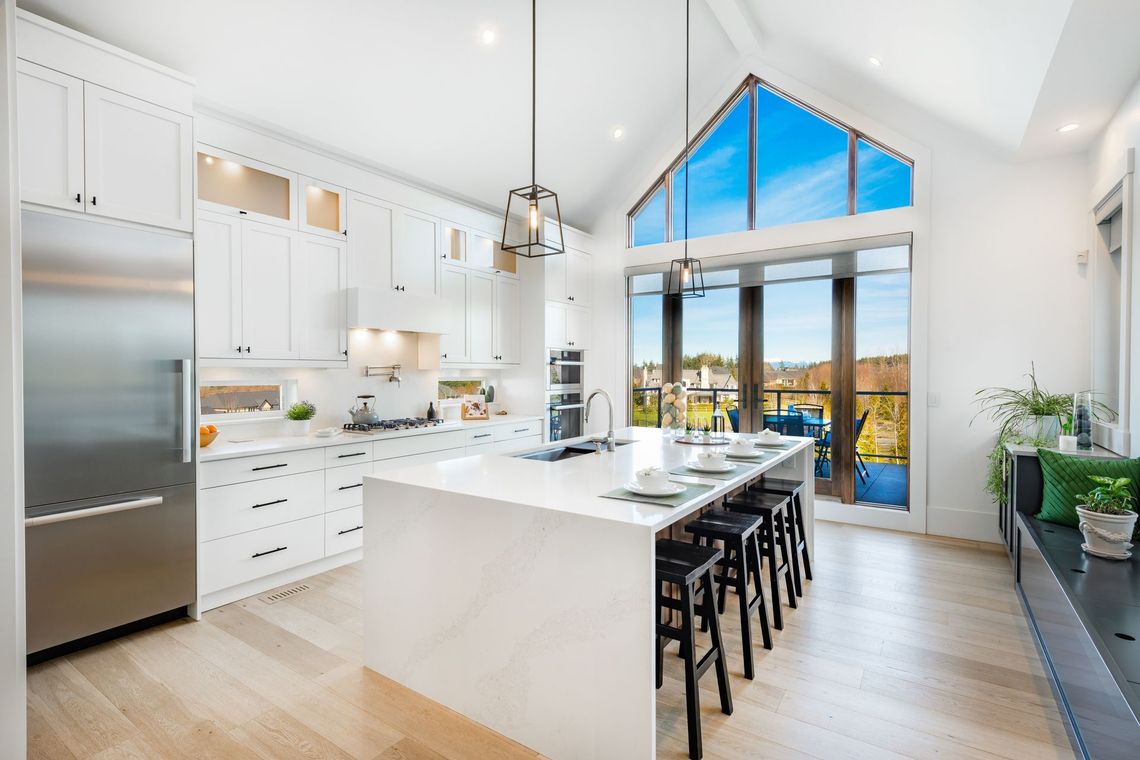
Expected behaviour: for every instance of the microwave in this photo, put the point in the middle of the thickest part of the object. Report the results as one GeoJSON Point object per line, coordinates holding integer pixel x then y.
{"type": "Point", "coordinates": [564, 371]}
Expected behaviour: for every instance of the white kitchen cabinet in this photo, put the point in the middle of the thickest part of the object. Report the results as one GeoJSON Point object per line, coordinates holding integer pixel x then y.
{"type": "Point", "coordinates": [453, 344]}
{"type": "Point", "coordinates": [234, 185]}
{"type": "Point", "coordinates": [567, 326]}
{"type": "Point", "coordinates": [415, 267]}
{"type": "Point", "coordinates": [138, 160]}
{"type": "Point", "coordinates": [269, 268]}
{"type": "Point", "coordinates": [481, 318]}
{"type": "Point", "coordinates": [467, 247]}
{"type": "Point", "coordinates": [51, 136]}
{"type": "Point", "coordinates": [371, 242]}
{"type": "Point", "coordinates": [217, 286]}
{"type": "Point", "coordinates": [321, 208]}
{"type": "Point", "coordinates": [508, 336]}
{"type": "Point", "coordinates": [322, 298]}
{"type": "Point", "coordinates": [517, 444]}
{"type": "Point", "coordinates": [568, 278]}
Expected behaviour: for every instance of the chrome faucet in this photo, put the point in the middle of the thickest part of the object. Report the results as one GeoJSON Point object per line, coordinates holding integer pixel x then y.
{"type": "Point", "coordinates": [610, 445]}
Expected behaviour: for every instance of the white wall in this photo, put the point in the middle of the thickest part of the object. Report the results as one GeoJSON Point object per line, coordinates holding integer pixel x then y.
{"type": "Point", "coordinates": [13, 723]}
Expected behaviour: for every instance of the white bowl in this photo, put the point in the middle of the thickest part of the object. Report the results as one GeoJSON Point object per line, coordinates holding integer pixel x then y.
{"type": "Point", "coordinates": [652, 478]}
{"type": "Point", "coordinates": [741, 446]}
{"type": "Point", "coordinates": [768, 436]}
{"type": "Point", "coordinates": [711, 458]}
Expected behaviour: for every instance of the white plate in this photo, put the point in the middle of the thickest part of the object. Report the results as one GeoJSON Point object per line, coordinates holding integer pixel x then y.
{"type": "Point", "coordinates": [1106, 555]}
{"type": "Point", "coordinates": [726, 467]}
{"type": "Point", "coordinates": [749, 454]}
{"type": "Point", "coordinates": [670, 489]}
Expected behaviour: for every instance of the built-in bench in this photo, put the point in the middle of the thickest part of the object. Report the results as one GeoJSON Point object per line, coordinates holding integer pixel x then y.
{"type": "Point", "coordinates": [1085, 616]}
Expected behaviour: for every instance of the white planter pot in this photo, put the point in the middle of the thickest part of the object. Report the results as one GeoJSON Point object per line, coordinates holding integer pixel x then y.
{"type": "Point", "coordinates": [297, 427]}
{"type": "Point", "coordinates": [1107, 536]}
{"type": "Point", "coordinates": [1042, 428]}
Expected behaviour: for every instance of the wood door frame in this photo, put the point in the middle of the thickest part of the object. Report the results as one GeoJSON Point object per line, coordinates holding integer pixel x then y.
{"type": "Point", "coordinates": [750, 365]}
{"type": "Point", "coordinates": [842, 481]}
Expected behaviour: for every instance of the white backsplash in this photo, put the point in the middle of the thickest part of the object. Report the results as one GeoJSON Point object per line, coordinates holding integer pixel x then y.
{"type": "Point", "coordinates": [334, 391]}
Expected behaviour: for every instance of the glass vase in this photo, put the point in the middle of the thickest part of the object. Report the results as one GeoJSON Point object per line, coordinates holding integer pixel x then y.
{"type": "Point", "coordinates": [1082, 420]}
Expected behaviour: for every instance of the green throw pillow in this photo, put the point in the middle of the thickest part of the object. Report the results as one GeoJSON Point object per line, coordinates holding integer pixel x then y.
{"type": "Point", "coordinates": [1066, 476]}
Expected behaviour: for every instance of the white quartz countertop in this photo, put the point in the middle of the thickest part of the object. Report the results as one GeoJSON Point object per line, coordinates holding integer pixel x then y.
{"type": "Point", "coordinates": [231, 444]}
{"type": "Point", "coordinates": [576, 485]}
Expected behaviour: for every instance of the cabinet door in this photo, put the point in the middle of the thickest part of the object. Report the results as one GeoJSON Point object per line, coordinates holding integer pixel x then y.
{"type": "Point", "coordinates": [454, 244]}
{"type": "Point", "coordinates": [217, 286]}
{"type": "Point", "coordinates": [322, 208]}
{"type": "Point", "coordinates": [269, 291]}
{"type": "Point", "coordinates": [481, 322]}
{"type": "Point", "coordinates": [322, 302]}
{"type": "Point", "coordinates": [577, 328]}
{"type": "Point", "coordinates": [481, 250]}
{"type": "Point", "coordinates": [453, 343]}
{"type": "Point", "coordinates": [138, 159]}
{"type": "Point", "coordinates": [51, 136]}
{"type": "Point", "coordinates": [555, 277]}
{"type": "Point", "coordinates": [577, 277]}
{"type": "Point", "coordinates": [555, 325]}
{"type": "Point", "coordinates": [417, 254]}
{"type": "Point", "coordinates": [507, 333]}
{"type": "Point", "coordinates": [371, 240]}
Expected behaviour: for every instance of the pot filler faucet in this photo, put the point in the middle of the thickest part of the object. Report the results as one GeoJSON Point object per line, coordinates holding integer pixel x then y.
{"type": "Point", "coordinates": [610, 445]}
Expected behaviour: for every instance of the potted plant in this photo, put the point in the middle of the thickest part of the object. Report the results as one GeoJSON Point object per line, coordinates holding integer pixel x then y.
{"type": "Point", "coordinates": [1108, 517]}
{"type": "Point", "coordinates": [299, 417]}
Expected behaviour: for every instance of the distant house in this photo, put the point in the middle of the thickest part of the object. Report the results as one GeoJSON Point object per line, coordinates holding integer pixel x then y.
{"type": "Point", "coordinates": [709, 377]}
{"type": "Point", "coordinates": [240, 403]}
{"type": "Point", "coordinates": [783, 377]}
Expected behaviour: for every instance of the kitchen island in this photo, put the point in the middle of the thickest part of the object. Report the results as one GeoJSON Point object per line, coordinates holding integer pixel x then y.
{"type": "Point", "coordinates": [513, 592]}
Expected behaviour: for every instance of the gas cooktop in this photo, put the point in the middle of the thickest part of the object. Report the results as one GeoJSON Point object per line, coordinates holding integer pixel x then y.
{"type": "Point", "coordinates": [385, 426]}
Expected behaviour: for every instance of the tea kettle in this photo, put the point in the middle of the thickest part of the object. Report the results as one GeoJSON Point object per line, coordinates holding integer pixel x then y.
{"type": "Point", "coordinates": [364, 413]}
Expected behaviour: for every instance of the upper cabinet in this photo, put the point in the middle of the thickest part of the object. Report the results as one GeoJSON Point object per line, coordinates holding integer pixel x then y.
{"type": "Point", "coordinates": [322, 208]}
{"type": "Point", "coordinates": [568, 278]}
{"type": "Point", "coordinates": [323, 308]}
{"type": "Point", "coordinates": [232, 184]}
{"type": "Point", "coordinates": [482, 323]}
{"type": "Point", "coordinates": [415, 267]}
{"type": "Point", "coordinates": [464, 246]}
{"type": "Point", "coordinates": [90, 149]}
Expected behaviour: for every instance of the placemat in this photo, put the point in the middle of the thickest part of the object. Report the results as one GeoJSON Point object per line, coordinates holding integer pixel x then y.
{"type": "Point", "coordinates": [692, 491]}
{"type": "Point", "coordinates": [741, 469]}
{"type": "Point", "coordinates": [750, 460]}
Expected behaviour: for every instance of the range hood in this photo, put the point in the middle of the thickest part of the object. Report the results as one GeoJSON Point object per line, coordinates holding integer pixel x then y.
{"type": "Point", "coordinates": [389, 310]}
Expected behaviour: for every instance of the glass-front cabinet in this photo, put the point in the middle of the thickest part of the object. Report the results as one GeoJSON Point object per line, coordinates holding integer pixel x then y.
{"type": "Point", "coordinates": [476, 249]}
{"type": "Point", "coordinates": [232, 184]}
{"type": "Point", "coordinates": [322, 207]}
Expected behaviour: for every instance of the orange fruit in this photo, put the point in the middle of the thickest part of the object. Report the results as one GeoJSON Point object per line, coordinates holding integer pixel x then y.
{"type": "Point", "coordinates": [212, 428]}
{"type": "Point", "coordinates": [203, 430]}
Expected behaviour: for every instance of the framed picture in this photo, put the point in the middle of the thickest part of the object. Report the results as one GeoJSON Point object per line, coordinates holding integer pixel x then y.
{"type": "Point", "coordinates": [475, 408]}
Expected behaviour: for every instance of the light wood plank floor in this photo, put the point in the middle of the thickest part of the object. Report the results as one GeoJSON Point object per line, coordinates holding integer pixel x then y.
{"type": "Point", "coordinates": [904, 646]}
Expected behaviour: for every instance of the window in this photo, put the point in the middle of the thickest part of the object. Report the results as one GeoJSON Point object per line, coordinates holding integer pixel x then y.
{"type": "Point", "coordinates": [231, 401]}
{"type": "Point", "coordinates": [801, 163]}
{"type": "Point", "coordinates": [717, 180]}
{"type": "Point", "coordinates": [649, 221]}
{"type": "Point", "coordinates": [646, 336]}
{"type": "Point", "coordinates": [803, 167]}
{"type": "Point", "coordinates": [882, 181]}
{"type": "Point", "coordinates": [457, 389]}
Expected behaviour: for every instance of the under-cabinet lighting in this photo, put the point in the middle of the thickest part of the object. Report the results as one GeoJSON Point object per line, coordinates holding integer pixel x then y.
{"type": "Point", "coordinates": [1070, 127]}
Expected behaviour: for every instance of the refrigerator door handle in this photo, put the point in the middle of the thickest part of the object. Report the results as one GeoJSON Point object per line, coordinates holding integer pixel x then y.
{"type": "Point", "coordinates": [106, 509]}
{"type": "Point", "coordinates": [187, 415]}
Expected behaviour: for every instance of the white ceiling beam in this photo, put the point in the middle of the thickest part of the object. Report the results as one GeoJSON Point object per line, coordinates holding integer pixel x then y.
{"type": "Point", "coordinates": [737, 22]}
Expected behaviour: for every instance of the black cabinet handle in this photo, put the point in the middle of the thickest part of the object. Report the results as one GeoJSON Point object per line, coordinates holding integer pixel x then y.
{"type": "Point", "coordinates": [268, 503]}
{"type": "Point", "coordinates": [78, 198]}
{"type": "Point", "coordinates": [350, 530]}
{"type": "Point", "coordinates": [571, 298]}
{"type": "Point", "coordinates": [242, 212]}
{"type": "Point", "coordinates": [92, 200]}
{"type": "Point", "coordinates": [345, 352]}
{"type": "Point", "coordinates": [247, 348]}
{"type": "Point", "coordinates": [444, 356]}
{"type": "Point", "coordinates": [482, 435]}
{"type": "Point", "coordinates": [346, 456]}
{"type": "Point", "coordinates": [521, 430]}
{"type": "Point", "coordinates": [345, 233]}
{"type": "Point", "coordinates": [354, 485]}
{"type": "Point", "coordinates": [239, 349]}
{"type": "Point", "coordinates": [271, 551]}
{"type": "Point", "coordinates": [270, 467]}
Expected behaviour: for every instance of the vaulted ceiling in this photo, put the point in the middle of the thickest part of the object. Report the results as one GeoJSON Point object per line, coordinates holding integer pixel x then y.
{"type": "Point", "coordinates": [410, 87]}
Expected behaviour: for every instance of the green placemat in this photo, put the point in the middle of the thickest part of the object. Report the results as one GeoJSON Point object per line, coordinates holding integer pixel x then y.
{"type": "Point", "coordinates": [749, 460]}
{"type": "Point", "coordinates": [741, 469]}
{"type": "Point", "coordinates": [692, 491]}
{"type": "Point", "coordinates": [777, 447]}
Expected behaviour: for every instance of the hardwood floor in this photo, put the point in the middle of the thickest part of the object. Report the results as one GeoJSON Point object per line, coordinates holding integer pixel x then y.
{"type": "Point", "coordinates": [904, 646]}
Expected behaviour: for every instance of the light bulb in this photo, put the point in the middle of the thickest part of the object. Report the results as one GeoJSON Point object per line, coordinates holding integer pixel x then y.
{"type": "Point", "coordinates": [685, 273]}
{"type": "Point", "coordinates": [210, 160]}
{"type": "Point", "coordinates": [533, 216]}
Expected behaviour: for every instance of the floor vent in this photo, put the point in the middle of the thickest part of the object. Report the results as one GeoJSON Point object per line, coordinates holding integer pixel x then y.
{"type": "Point", "coordinates": [285, 593]}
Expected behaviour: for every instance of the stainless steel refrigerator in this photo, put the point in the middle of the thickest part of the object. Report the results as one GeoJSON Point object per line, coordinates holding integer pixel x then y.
{"type": "Point", "coordinates": [110, 434]}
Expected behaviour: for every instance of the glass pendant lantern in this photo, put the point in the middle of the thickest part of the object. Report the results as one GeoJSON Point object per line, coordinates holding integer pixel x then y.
{"type": "Point", "coordinates": [542, 213]}
{"type": "Point", "coordinates": [686, 279]}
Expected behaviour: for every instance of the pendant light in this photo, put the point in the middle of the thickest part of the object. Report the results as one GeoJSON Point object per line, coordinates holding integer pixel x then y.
{"type": "Point", "coordinates": [542, 239]}
{"type": "Point", "coordinates": [685, 276]}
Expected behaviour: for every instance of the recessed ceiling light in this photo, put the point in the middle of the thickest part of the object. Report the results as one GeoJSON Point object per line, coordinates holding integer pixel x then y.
{"type": "Point", "coordinates": [875, 62]}
{"type": "Point", "coordinates": [1071, 126]}
{"type": "Point", "coordinates": [618, 133]}
{"type": "Point", "coordinates": [488, 36]}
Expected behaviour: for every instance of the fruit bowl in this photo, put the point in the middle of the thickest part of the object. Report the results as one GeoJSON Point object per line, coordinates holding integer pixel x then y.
{"type": "Point", "coordinates": [206, 436]}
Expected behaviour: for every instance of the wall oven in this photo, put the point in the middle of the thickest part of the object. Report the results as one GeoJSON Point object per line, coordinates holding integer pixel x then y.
{"type": "Point", "coordinates": [564, 415]}
{"type": "Point", "coordinates": [564, 371]}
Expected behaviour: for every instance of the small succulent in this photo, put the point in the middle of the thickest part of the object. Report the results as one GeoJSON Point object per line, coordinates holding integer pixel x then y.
{"type": "Point", "coordinates": [301, 411]}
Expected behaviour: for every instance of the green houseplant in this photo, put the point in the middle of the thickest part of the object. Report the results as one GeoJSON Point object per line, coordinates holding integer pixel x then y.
{"type": "Point", "coordinates": [299, 417]}
{"type": "Point", "coordinates": [1108, 517]}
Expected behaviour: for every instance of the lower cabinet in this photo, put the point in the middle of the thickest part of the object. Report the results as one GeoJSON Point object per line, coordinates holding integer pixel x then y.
{"type": "Point", "coordinates": [237, 559]}
{"type": "Point", "coordinates": [344, 530]}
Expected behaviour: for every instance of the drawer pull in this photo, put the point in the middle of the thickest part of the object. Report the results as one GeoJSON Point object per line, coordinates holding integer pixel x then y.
{"type": "Point", "coordinates": [268, 503]}
{"type": "Point", "coordinates": [350, 530]}
{"type": "Point", "coordinates": [346, 456]}
{"type": "Point", "coordinates": [521, 430]}
{"type": "Point", "coordinates": [354, 485]}
{"type": "Point", "coordinates": [270, 467]}
{"type": "Point", "coordinates": [483, 435]}
{"type": "Point", "coordinates": [271, 551]}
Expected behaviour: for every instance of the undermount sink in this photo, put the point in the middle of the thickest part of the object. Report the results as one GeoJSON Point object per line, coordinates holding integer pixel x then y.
{"type": "Point", "coordinates": [560, 453]}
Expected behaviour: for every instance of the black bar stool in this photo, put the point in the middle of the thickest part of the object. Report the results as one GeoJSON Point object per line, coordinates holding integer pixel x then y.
{"type": "Point", "coordinates": [738, 532]}
{"type": "Point", "coordinates": [688, 566]}
{"type": "Point", "coordinates": [796, 531]}
{"type": "Point", "coordinates": [774, 534]}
